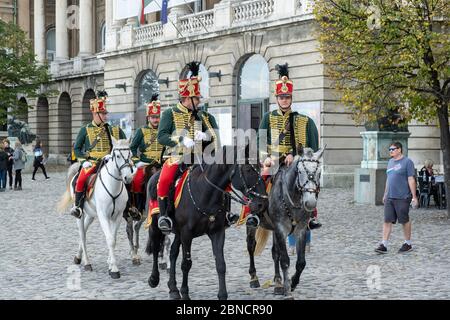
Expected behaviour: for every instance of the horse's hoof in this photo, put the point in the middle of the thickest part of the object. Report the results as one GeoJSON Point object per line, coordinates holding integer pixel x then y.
{"type": "Point", "coordinates": [136, 262]}
{"type": "Point", "coordinates": [185, 296]}
{"type": "Point", "coordinates": [163, 266]}
{"type": "Point", "coordinates": [279, 291]}
{"type": "Point", "coordinates": [254, 284]}
{"type": "Point", "coordinates": [153, 281]}
{"type": "Point", "coordinates": [114, 275]}
{"type": "Point", "coordinates": [88, 267]}
{"type": "Point", "coordinates": [174, 295]}
{"type": "Point", "coordinates": [77, 260]}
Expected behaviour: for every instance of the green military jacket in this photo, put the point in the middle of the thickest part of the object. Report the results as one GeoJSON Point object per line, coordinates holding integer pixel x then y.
{"type": "Point", "coordinates": [280, 141]}
{"type": "Point", "coordinates": [178, 122]}
{"type": "Point", "coordinates": [146, 142]}
{"type": "Point", "coordinates": [86, 148]}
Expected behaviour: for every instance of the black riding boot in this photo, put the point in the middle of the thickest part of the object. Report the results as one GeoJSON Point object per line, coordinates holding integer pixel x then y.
{"type": "Point", "coordinates": [252, 221]}
{"type": "Point", "coordinates": [130, 208]}
{"type": "Point", "coordinates": [164, 222]}
{"type": "Point", "coordinates": [77, 210]}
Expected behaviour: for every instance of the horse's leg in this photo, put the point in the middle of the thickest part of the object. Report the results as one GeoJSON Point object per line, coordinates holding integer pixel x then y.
{"type": "Point", "coordinates": [83, 225]}
{"type": "Point", "coordinates": [251, 245]}
{"type": "Point", "coordinates": [130, 235]}
{"type": "Point", "coordinates": [164, 253]}
{"type": "Point", "coordinates": [279, 289]}
{"type": "Point", "coordinates": [301, 261]}
{"type": "Point", "coordinates": [137, 228]}
{"type": "Point", "coordinates": [186, 265]}
{"type": "Point", "coordinates": [284, 261]}
{"type": "Point", "coordinates": [218, 241]}
{"type": "Point", "coordinates": [174, 293]}
{"type": "Point", "coordinates": [110, 241]}
{"type": "Point", "coordinates": [155, 237]}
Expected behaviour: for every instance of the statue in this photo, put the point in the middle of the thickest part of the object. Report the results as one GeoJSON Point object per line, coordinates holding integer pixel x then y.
{"type": "Point", "coordinates": [393, 122]}
{"type": "Point", "coordinates": [21, 130]}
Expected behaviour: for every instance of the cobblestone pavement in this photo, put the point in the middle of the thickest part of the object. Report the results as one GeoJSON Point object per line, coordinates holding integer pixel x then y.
{"type": "Point", "coordinates": [38, 245]}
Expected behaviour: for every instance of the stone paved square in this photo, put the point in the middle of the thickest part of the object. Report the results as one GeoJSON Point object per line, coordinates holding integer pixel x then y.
{"type": "Point", "coordinates": [38, 246]}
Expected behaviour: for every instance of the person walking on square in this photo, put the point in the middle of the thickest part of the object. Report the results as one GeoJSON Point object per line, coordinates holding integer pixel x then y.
{"type": "Point", "coordinates": [3, 168]}
{"type": "Point", "coordinates": [19, 164]}
{"type": "Point", "coordinates": [9, 151]}
{"type": "Point", "coordinates": [400, 189]}
{"type": "Point", "coordinates": [38, 160]}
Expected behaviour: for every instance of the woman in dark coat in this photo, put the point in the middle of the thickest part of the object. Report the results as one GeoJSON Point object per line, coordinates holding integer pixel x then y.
{"type": "Point", "coordinates": [38, 160]}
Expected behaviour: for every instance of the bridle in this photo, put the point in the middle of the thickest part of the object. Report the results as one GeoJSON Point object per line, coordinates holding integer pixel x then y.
{"type": "Point", "coordinates": [127, 163]}
{"type": "Point", "coordinates": [235, 196]}
{"type": "Point", "coordinates": [311, 178]}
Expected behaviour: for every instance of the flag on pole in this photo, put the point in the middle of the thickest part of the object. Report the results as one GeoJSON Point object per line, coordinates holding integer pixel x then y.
{"type": "Point", "coordinates": [164, 6]}
{"type": "Point", "coordinates": [142, 5]}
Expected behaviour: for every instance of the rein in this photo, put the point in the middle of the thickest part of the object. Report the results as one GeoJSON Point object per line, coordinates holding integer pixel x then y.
{"type": "Point", "coordinates": [119, 169]}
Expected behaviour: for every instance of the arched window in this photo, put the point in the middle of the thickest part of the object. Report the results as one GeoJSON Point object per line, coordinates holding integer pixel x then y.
{"type": "Point", "coordinates": [50, 42]}
{"type": "Point", "coordinates": [103, 37]}
{"type": "Point", "coordinates": [253, 92]}
{"type": "Point", "coordinates": [204, 84]}
{"type": "Point", "coordinates": [254, 79]}
{"type": "Point", "coordinates": [147, 87]}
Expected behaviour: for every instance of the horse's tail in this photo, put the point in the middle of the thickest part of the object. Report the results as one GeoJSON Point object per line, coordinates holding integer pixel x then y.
{"type": "Point", "coordinates": [150, 246]}
{"type": "Point", "coordinates": [66, 198]}
{"type": "Point", "coordinates": [262, 235]}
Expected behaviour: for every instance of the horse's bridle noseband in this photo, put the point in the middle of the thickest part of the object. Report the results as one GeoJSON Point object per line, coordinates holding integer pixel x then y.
{"type": "Point", "coordinates": [127, 163]}
{"type": "Point", "coordinates": [249, 191]}
{"type": "Point", "coordinates": [311, 178]}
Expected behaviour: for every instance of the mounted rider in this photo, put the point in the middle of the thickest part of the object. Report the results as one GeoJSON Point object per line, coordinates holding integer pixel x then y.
{"type": "Point", "coordinates": [146, 142]}
{"type": "Point", "coordinates": [186, 131]}
{"type": "Point", "coordinates": [94, 141]}
{"type": "Point", "coordinates": [285, 129]}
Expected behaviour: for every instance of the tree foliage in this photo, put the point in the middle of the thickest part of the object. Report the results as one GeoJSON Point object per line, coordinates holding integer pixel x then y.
{"type": "Point", "coordinates": [20, 74]}
{"type": "Point", "coordinates": [388, 55]}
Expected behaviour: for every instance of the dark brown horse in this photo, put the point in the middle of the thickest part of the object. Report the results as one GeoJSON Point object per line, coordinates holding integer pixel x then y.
{"type": "Point", "coordinates": [202, 210]}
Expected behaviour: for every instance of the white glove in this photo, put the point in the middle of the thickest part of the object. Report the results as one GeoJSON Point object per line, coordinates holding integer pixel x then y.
{"type": "Point", "coordinates": [188, 142]}
{"type": "Point", "coordinates": [87, 164]}
{"type": "Point", "coordinates": [140, 164]}
{"type": "Point", "coordinates": [201, 136]}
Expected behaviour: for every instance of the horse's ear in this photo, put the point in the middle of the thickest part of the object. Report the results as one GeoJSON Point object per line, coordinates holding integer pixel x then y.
{"type": "Point", "coordinates": [300, 150]}
{"type": "Point", "coordinates": [318, 155]}
{"type": "Point", "coordinates": [114, 141]}
{"type": "Point", "coordinates": [129, 140]}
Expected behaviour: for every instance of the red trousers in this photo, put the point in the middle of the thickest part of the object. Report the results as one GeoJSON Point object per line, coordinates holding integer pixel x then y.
{"type": "Point", "coordinates": [138, 181]}
{"type": "Point", "coordinates": [85, 173]}
{"type": "Point", "coordinates": [166, 178]}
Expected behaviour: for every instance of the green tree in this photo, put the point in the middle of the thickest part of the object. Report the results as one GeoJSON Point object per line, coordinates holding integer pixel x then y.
{"type": "Point", "coordinates": [390, 55]}
{"type": "Point", "coordinates": [20, 74]}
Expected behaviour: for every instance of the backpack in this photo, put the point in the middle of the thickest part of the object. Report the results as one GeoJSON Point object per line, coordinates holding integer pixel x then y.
{"type": "Point", "coordinates": [23, 156]}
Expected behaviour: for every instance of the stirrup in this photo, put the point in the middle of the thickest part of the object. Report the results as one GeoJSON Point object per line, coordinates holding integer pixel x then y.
{"type": "Point", "coordinates": [251, 224]}
{"type": "Point", "coordinates": [77, 212]}
{"type": "Point", "coordinates": [232, 218]}
{"type": "Point", "coordinates": [165, 224]}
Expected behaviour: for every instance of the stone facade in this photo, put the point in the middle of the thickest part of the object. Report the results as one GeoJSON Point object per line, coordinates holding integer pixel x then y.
{"type": "Point", "coordinates": [222, 37]}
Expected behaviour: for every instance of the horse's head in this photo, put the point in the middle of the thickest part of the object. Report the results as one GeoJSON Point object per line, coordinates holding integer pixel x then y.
{"type": "Point", "coordinates": [245, 177]}
{"type": "Point", "coordinates": [121, 157]}
{"type": "Point", "coordinates": [308, 177]}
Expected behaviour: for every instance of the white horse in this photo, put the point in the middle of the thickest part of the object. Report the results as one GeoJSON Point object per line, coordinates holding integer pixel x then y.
{"type": "Point", "coordinates": [107, 202]}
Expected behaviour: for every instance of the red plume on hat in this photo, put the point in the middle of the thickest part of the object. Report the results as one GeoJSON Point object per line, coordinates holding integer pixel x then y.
{"type": "Point", "coordinates": [283, 86]}
{"type": "Point", "coordinates": [191, 87]}
{"type": "Point", "coordinates": [99, 103]}
{"type": "Point", "coordinates": [154, 106]}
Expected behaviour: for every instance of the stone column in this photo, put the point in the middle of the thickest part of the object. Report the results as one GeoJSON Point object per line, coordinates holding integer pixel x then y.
{"type": "Point", "coordinates": [62, 35]}
{"type": "Point", "coordinates": [86, 28]}
{"type": "Point", "coordinates": [112, 27]}
{"type": "Point", "coordinates": [223, 15]}
{"type": "Point", "coordinates": [39, 30]}
{"type": "Point", "coordinates": [24, 15]}
{"type": "Point", "coordinates": [285, 8]}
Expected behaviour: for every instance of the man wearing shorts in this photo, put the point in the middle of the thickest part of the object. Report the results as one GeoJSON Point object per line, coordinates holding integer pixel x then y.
{"type": "Point", "coordinates": [400, 189]}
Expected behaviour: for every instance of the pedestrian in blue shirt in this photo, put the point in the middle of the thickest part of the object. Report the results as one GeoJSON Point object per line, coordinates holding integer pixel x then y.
{"type": "Point", "coordinates": [400, 190]}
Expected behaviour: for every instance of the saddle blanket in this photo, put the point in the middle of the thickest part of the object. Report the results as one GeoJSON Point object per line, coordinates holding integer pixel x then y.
{"type": "Point", "coordinates": [153, 206]}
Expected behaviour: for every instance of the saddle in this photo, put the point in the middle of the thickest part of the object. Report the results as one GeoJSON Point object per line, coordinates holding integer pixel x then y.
{"type": "Point", "coordinates": [90, 184]}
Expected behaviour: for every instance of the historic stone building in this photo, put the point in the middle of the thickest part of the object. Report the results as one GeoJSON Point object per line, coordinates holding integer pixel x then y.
{"type": "Point", "coordinates": [239, 43]}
